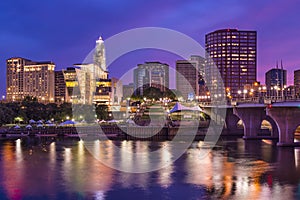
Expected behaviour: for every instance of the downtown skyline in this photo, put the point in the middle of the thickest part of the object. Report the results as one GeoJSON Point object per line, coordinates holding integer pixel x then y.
{"type": "Point", "coordinates": [65, 32]}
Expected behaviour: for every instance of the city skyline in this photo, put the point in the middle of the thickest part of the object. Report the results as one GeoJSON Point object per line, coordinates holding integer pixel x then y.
{"type": "Point", "coordinates": [66, 37]}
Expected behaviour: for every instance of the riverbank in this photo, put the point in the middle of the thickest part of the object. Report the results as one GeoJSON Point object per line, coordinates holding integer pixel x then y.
{"type": "Point", "coordinates": [116, 132]}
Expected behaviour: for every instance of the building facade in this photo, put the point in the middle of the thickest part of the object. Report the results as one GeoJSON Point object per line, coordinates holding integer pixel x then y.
{"type": "Point", "coordinates": [190, 77]}
{"type": "Point", "coordinates": [234, 53]}
{"type": "Point", "coordinates": [116, 91]}
{"type": "Point", "coordinates": [72, 84]}
{"type": "Point", "coordinates": [187, 78]}
{"type": "Point", "coordinates": [151, 74]}
{"type": "Point", "coordinates": [93, 77]}
{"type": "Point", "coordinates": [14, 78]}
{"type": "Point", "coordinates": [39, 81]}
{"type": "Point", "coordinates": [60, 87]}
{"type": "Point", "coordinates": [275, 80]}
{"type": "Point", "coordinates": [29, 78]}
{"type": "Point", "coordinates": [128, 90]}
{"type": "Point", "coordinates": [103, 92]}
{"type": "Point", "coordinates": [297, 82]}
{"type": "Point", "coordinates": [140, 80]}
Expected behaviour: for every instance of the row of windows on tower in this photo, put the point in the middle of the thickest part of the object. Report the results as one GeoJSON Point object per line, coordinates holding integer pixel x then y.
{"type": "Point", "coordinates": [237, 34]}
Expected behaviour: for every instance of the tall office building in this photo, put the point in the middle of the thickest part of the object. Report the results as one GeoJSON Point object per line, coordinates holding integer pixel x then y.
{"type": "Point", "coordinates": [234, 53]}
{"type": "Point", "coordinates": [140, 80]}
{"type": "Point", "coordinates": [93, 79]}
{"type": "Point", "coordinates": [151, 74]}
{"type": "Point", "coordinates": [30, 78]}
{"type": "Point", "coordinates": [60, 87]}
{"type": "Point", "coordinates": [190, 77]}
{"type": "Point", "coordinates": [275, 81]}
{"type": "Point", "coordinates": [99, 56]}
{"type": "Point", "coordinates": [276, 77]}
{"type": "Point", "coordinates": [297, 82]}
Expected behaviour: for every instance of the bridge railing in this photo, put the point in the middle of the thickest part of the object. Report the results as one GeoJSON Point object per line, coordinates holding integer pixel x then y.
{"type": "Point", "coordinates": [261, 100]}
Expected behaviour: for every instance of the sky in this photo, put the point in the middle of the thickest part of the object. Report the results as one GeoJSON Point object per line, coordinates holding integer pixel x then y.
{"type": "Point", "coordinates": [65, 31]}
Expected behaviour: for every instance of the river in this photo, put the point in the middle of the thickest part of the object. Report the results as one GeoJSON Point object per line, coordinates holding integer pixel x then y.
{"type": "Point", "coordinates": [61, 168]}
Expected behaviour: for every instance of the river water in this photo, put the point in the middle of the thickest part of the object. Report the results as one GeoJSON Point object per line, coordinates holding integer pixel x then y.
{"type": "Point", "coordinates": [53, 168]}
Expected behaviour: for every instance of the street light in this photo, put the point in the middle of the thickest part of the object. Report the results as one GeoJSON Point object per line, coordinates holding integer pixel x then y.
{"type": "Point", "coordinates": [245, 92]}
{"type": "Point", "coordinates": [276, 90]}
{"type": "Point", "coordinates": [239, 93]}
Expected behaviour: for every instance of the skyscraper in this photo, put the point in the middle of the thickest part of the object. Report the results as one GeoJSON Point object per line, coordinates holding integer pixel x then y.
{"type": "Point", "coordinates": [151, 74]}
{"type": "Point", "coordinates": [29, 78]}
{"type": "Point", "coordinates": [14, 78]}
{"type": "Point", "coordinates": [276, 77]}
{"type": "Point", "coordinates": [98, 86]}
{"type": "Point", "coordinates": [140, 80]}
{"type": "Point", "coordinates": [275, 81]}
{"type": "Point", "coordinates": [190, 77]}
{"type": "Point", "coordinates": [99, 55]}
{"type": "Point", "coordinates": [60, 87]}
{"type": "Point", "coordinates": [234, 53]}
{"type": "Point", "coordinates": [39, 81]}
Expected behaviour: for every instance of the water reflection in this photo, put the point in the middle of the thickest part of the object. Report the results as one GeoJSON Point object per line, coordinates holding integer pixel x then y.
{"type": "Point", "coordinates": [63, 168]}
{"type": "Point", "coordinates": [165, 174]}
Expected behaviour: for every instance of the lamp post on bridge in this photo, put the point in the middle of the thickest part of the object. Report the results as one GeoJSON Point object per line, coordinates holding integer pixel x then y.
{"type": "Point", "coordinates": [239, 93]}
{"type": "Point", "coordinates": [245, 92]}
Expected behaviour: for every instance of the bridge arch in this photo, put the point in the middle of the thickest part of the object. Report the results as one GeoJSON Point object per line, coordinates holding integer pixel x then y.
{"type": "Point", "coordinates": [252, 116]}
{"type": "Point", "coordinates": [274, 131]}
{"type": "Point", "coordinates": [286, 116]}
{"type": "Point", "coordinates": [231, 121]}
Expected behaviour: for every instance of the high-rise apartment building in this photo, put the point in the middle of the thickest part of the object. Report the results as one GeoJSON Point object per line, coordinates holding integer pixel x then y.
{"type": "Point", "coordinates": [151, 74]}
{"type": "Point", "coordinates": [234, 53]}
{"type": "Point", "coordinates": [29, 78]}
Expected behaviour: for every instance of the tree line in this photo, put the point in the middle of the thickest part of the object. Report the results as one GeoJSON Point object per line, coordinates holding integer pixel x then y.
{"type": "Point", "coordinates": [30, 108]}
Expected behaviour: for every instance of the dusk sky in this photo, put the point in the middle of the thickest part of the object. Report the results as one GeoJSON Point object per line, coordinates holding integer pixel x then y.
{"type": "Point", "coordinates": [65, 31]}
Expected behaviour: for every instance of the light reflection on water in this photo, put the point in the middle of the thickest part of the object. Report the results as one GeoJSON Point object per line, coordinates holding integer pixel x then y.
{"type": "Point", "coordinates": [63, 169]}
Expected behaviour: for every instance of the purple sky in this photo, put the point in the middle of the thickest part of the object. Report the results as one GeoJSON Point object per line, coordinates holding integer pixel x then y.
{"type": "Point", "coordinates": [65, 31]}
